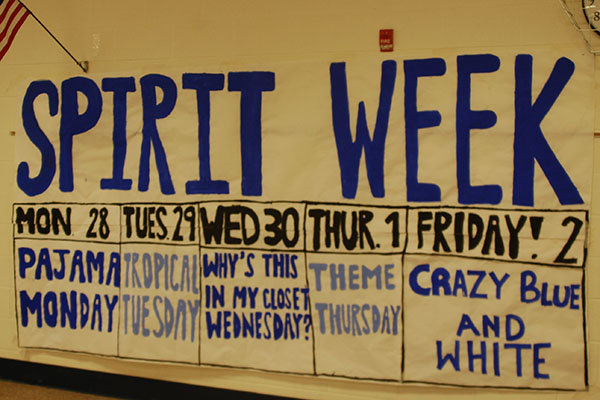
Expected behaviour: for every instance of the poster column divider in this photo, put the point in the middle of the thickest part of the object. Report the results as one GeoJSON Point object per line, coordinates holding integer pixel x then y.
{"type": "Point", "coordinates": [198, 231]}
{"type": "Point", "coordinates": [120, 282]}
{"type": "Point", "coordinates": [312, 325]}
{"type": "Point", "coordinates": [402, 280]}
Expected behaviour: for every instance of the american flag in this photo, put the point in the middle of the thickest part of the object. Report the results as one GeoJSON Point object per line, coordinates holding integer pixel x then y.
{"type": "Point", "coordinates": [12, 16]}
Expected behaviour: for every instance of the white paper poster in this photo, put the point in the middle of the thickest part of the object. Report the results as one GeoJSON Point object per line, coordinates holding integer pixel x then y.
{"type": "Point", "coordinates": [417, 220]}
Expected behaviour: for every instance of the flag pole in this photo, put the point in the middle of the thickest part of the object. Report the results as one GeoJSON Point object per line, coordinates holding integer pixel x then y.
{"type": "Point", "coordinates": [82, 64]}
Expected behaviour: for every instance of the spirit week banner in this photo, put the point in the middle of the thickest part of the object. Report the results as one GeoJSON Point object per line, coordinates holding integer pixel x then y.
{"type": "Point", "coordinates": [405, 220]}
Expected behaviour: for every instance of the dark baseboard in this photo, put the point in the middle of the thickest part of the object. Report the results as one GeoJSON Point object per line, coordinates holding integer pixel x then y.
{"type": "Point", "coordinates": [104, 384]}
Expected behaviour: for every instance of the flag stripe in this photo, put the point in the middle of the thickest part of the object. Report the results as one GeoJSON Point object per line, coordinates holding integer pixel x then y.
{"type": "Point", "coordinates": [5, 10]}
{"type": "Point", "coordinates": [13, 15]}
{"type": "Point", "coordinates": [13, 34]}
{"type": "Point", "coordinates": [12, 18]}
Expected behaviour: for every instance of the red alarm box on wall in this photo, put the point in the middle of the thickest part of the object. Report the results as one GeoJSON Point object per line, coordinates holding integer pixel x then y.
{"type": "Point", "coordinates": [386, 40]}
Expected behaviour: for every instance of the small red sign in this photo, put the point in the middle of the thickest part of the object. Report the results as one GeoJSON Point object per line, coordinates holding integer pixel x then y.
{"type": "Point", "coordinates": [386, 40]}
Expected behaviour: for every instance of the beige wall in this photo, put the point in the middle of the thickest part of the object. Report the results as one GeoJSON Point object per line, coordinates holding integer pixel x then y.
{"type": "Point", "coordinates": [137, 35]}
